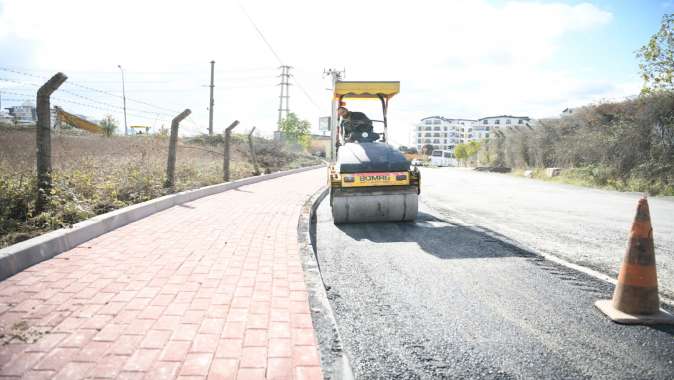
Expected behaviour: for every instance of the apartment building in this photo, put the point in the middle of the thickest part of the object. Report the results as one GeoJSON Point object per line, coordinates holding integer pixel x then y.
{"type": "Point", "coordinates": [492, 123]}
{"type": "Point", "coordinates": [441, 132]}
{"type": "Point", "coordinates": [24, 114]}
{"type": "Point", "coordinates": [445, 133]}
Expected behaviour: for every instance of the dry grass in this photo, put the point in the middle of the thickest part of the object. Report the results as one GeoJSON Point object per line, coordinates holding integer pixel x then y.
{"type": "Point", "coordinates": [626, 145]}
{"type": "Point", "coordinates": [93, 175]}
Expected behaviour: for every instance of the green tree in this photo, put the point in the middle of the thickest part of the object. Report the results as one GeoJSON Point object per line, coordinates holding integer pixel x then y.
{"type": "Point", "coordinates": [296, 130]}
{"type": "Point", "coordinates": [109, 125]}
{"type": "Point", "coordinates": [461, 152]}
{"type": "Point", "coordinates": [471, 151]}
{"type": "Point", "coordinates": [657, 58]}
{"type": "Point", "coordinates": [472, 148]}
{"type": "Point", "coordinates": [464, 152]}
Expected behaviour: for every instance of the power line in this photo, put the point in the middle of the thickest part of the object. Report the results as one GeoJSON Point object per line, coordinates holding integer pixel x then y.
{"type": "Point", "coordinates": [230, 70]}
{"type": "Point", "coordinates": [259, 32]}
{"type": "Point", "coordinates": [306, 93]}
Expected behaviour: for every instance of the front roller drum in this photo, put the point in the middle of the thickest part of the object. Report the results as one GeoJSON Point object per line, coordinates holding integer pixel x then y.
{"type": "Point", "coordinates": [374, 207]}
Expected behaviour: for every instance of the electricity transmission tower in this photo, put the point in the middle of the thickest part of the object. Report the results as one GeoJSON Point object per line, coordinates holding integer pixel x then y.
{"type": "Point", "coordinates": [285, 94]}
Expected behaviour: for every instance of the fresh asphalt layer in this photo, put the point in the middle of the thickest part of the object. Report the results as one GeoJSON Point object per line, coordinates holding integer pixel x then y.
{"type": "Point", "coordinates": [439, 299]}
{"type": "Point", "coordinates": [588, 227]}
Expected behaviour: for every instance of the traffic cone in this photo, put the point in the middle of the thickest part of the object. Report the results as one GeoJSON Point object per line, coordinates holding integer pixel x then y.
{"type": "Point", "coordinates": [635, 298]}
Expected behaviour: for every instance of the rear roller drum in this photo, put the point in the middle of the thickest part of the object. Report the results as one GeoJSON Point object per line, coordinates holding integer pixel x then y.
{"type": "Point", "coordinates": [359, 208]}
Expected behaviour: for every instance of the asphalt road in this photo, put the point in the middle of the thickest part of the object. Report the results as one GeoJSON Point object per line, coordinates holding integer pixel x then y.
{"type": "Point", "coordinates": [584, 226]}
{"type": "Point", "coordinates": [438, 299]}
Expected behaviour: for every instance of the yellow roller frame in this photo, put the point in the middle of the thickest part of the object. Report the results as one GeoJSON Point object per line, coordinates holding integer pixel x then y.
{"type": "Point", "coordinates": [365, 90]}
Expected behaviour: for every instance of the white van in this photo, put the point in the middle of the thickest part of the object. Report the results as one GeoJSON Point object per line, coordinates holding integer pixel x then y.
{"type": "Point", "coordinates": [443, 158]}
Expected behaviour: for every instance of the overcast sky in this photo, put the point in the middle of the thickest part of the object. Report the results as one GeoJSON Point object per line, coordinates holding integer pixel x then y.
{"type": "Point", "coordinates": [458, 59]}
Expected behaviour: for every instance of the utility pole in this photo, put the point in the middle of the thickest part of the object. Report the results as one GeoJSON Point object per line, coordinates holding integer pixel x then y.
{"type": "Point", "coordinates": [335, 75]}
{"type": "Point", "coordinates": [285, 83]}
{"type": "Point", "coordinates": [126, 128]}
{"type": "Point", "coordinates": [210, 108]}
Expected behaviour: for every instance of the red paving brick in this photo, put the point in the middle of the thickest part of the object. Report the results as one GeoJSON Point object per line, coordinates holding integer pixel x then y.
{"type": "Point", "coordinates": [213, 288]}
{"type": "Point", "coordinates": [223, 369]}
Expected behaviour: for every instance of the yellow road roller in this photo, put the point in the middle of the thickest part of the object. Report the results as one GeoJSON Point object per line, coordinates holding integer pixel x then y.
{"type": "Point", "coordinates": [370, 180]}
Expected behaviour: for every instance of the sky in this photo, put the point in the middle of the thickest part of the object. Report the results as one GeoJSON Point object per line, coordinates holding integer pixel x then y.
{"type": "Point", "coordinates": [458, 59]}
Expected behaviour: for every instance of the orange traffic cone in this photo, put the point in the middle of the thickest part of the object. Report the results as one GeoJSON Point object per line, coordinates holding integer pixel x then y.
{"type": "Point", "coordinates": [635, 299]}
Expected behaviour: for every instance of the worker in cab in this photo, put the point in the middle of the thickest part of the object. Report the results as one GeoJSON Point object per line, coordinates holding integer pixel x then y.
{"type": "Point", "coordinates": [355, 124]}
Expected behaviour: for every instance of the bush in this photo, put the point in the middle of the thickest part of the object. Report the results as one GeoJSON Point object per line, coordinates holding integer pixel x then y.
{"type": "Point", "coordinates": [94, 175]}
{"type": "Point", "coordinates": [624, 145]}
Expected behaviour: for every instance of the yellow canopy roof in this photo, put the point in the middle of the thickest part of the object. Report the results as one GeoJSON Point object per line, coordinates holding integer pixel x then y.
{"type": "Point", "coordinates": [364, 90]}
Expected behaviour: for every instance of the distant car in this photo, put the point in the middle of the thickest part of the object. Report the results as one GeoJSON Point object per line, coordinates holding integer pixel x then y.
{"type": "Point", "coordinates": [416, 162]}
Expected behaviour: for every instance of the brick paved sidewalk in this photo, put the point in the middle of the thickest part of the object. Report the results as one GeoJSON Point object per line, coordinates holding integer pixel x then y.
{"type": "Point", "coordinates": [210, 289]}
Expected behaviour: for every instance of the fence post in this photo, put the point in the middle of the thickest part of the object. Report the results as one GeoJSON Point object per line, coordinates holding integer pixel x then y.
{"type": "Point", "coordinates": [228, 137]}
{"type": "Point", "coordinates": [252, 152]}
{"type": "Point", "coordinates": [43, 139]}
{"type": "Point", "coordinates": [171, 163]}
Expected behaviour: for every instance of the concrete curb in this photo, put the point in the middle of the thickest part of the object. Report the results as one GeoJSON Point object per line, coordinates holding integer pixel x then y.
{"type": "Point", "coordinates": [17, 257]}
{"type": "Point", "coordinates": [334, 361]}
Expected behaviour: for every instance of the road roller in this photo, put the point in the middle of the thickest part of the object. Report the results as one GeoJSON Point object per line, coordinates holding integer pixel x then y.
{"type": "Point", "coordinates": [370, 180]}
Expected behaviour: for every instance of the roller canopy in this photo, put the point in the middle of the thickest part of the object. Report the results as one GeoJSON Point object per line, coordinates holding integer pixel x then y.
{"type": "Point", "coordinates": [370, 157]}
{"type": "Point", "coordinates": [366, 90]}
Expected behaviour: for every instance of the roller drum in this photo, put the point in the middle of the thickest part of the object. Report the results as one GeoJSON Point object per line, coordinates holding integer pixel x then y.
{"type": "Point", "coordinates": [374, 207]}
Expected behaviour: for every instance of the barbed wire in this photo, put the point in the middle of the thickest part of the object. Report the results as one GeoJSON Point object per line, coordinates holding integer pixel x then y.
{"type": "Point", "coordinates": [75, 84]}
{"type": "Point", "coordinates": [59, 99]}
{"type": "Point", "coordinates": [71, 93]}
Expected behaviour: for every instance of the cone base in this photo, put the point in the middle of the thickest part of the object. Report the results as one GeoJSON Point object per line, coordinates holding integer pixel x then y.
{"type": "Point", "coordinates": [662, 317]}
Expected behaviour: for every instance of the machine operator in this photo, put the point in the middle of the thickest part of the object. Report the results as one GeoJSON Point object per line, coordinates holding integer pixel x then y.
{"type": "Point", "coordinates": [354, 124]}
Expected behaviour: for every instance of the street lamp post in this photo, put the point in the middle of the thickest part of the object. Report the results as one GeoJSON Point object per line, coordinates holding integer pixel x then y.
{"type": "Point", "coordinates": [126, 131]}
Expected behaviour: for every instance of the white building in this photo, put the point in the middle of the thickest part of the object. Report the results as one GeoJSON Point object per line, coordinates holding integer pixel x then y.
{"type": "Point", "coordinates": [492, 123]}
{"type": "Point", "coordinates": [444, 133]}
{"type": "Point", "coordinates": [25, 114]}
{"type": "Point", "coordinates": [441, 132]}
